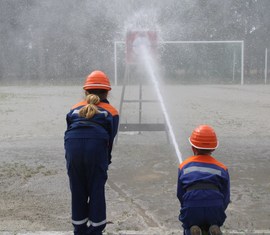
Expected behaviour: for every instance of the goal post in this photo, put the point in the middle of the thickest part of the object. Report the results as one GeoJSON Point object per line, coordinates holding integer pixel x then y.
{"type": "Point", "coordinates": [224, 42]}
{"type": "Point", "coordinates": [116, 43]}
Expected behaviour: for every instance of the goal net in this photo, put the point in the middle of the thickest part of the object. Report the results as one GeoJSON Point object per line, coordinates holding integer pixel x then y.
{"type": "Point", "coordinates": [195, 62]}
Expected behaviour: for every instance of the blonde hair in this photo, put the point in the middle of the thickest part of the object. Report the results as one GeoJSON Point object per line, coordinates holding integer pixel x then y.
{"type": "Point", "coordinates": [89, 110]}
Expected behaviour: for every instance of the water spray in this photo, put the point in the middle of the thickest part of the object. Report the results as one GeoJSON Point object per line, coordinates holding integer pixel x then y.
{"type": "Point", "coordinates": [144, 53]}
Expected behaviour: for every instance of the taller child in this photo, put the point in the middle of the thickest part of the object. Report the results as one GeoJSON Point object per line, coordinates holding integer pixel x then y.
{"type": "Point", "coordinates": [92, 125]}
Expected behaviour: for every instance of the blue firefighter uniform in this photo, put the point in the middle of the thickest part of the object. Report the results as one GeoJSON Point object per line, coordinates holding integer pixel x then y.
{"type": "Point", "coordinates": [88, 146]}
{"type": "Point", "coordinates": [203, 191]}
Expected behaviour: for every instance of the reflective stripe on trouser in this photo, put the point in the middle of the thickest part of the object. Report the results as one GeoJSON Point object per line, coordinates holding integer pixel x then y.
{"type": "Point", "coordinates": [80, 222]}
{"type": "Point", "coordinates": [87, 165]}
{"type": "Point", "coordinates": [80, 227]}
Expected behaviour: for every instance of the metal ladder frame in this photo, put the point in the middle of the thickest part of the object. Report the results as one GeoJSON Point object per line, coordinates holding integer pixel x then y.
{"type": "Point", "coordinates": [130, 127]}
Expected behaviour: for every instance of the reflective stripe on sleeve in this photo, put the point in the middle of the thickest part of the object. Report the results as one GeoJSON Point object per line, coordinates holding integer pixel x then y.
{"type": "Point", "coordinates": [76, 111]}
{"type": "Point", "coordinates": [97, 224]}
{"type": "Point", "coordinates": [202, 169]}
{"type": "Point", "coordinates": [75, 222]}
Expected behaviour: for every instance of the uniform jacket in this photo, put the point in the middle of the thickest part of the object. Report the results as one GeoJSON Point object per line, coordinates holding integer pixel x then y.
{"type": "Point", "coordinates": [103, 125]}
{"type": "Point", "coordinates": [203, 169]}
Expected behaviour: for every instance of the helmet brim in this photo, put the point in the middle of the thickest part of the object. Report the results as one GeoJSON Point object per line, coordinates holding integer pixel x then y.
{"type": "Point", "coordinates": [200, 147]}
{"type": "Point", "coordinates": [97, 86]}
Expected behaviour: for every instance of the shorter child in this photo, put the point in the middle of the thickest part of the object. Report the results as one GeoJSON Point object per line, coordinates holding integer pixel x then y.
{"type": "Point", "coordinates": [203, 186]}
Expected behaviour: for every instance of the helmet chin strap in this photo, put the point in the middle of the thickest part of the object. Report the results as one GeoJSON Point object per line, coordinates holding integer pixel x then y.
{"type": "Point", "coordinates": [195, 151]}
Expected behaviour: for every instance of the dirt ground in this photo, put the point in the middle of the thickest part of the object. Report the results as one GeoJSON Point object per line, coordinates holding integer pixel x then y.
{"type": "Point", "coordinates": [141, 190]}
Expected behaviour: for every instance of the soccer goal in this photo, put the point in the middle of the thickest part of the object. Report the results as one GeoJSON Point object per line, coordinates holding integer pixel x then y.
{"type": "Point", "coordinates": [217, 61]}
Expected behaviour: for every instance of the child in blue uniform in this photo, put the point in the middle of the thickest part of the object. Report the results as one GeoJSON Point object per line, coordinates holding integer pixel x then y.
{"type": "Point", "coordinates": [92, 125]}
{"type": "Point", "coordinates": [203, 186]}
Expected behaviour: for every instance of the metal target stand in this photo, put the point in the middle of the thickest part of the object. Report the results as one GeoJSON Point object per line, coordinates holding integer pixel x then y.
{"type": "Point", "coordinates": [139, 126]}
{"type": "Point", "coordinates": [133, 41]}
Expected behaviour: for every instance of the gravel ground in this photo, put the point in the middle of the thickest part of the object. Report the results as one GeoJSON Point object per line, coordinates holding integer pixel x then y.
{"type": "Point", "coordinates": [141, 190]}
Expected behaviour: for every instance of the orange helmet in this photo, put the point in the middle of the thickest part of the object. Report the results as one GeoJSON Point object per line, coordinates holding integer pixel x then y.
{"type": "Point", "coordinates": [97, 80]}
{"type": "Point", "coordinates": [203, 137]}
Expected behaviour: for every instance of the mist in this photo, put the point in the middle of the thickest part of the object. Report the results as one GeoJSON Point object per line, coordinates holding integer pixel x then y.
{"type": "Point", "coordinates": [49, 47]}
{"type": "Point", "coordinates": [54, 42]}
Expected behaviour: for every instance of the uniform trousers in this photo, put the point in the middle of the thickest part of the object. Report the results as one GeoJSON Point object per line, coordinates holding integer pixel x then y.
{"type": "Point", "coordinates": [87, 165]}
{"type": "Point", "coordinates": [204, 217]}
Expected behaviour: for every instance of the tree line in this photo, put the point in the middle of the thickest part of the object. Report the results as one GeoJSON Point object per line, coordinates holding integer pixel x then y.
{"type": "Point", "coordinates": [64, 40]}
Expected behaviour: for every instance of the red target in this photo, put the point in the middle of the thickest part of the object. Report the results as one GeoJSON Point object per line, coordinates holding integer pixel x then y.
{"type": "Point", "coordinates": [135, 40]}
